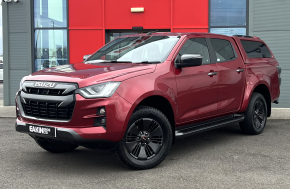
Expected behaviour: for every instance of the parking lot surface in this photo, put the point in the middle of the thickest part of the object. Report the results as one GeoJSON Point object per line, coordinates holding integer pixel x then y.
{"type": "Point", "coordinates": [223, 158]}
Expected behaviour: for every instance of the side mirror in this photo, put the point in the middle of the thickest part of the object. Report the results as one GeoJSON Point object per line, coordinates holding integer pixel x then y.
{"type": "Point", "coordinates": [188, 60]}
{"type": "Point", "coordinates": [86, 56]}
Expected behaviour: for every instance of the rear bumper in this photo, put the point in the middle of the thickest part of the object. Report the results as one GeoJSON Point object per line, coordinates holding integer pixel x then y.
{"type": "Point", "coordinates": [82, 128]}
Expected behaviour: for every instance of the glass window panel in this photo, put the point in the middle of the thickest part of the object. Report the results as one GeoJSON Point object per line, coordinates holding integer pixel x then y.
{"type": "Point", "coordinates": [50, 13]}
{"type": "Point", "coordinates": [196, 46]}
{"type": "Point", "coordinates": [229, 31]}
{"type": "Point", "coordinates": [223, 50]}
{"type": "Point", "coordinates": [50, 48]}
{"type": "Point", "coordinates": [256, 49]}
{"type": "Point", "coordinates": [228, 12]}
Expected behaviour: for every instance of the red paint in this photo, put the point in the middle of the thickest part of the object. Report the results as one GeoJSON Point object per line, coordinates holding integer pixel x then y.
{"type": "Point", "coordinates": [85, 15]}
{"type": "Point", "coordinates": [231, 83]}
{"type": "Point", "coordinates": [190, 14]}
{"type": "Point", "coordinates": [259, 71]}
{"type": "Point", "coordinates": [192, 94]}
{"type": "Point", "coordinates": [184, 30]}
{"type": "Point", "coordinates": [83, 42]}
{"type": "Point", "coordinates": [89, 20]}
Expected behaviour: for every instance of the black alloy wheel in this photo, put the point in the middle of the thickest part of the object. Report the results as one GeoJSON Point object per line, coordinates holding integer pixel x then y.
{"type": "Point", "coordinates": [259, 116]}
{"type": "Point", "coordinates": [147, 140]}
{"type": "Point", "coordinates": [144, 139]}
{"type": "Point", "coordinates": [255, 115]}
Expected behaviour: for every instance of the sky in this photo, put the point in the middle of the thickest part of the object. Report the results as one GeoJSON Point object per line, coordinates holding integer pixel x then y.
{"type": "Point", "coordinates": [1, 43]}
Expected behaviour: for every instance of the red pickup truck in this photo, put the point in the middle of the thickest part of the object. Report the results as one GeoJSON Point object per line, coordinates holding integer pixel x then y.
{"type": "Point", "coordinates": [139, 92]}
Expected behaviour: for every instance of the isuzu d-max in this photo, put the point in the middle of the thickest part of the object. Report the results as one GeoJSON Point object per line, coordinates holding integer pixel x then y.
{"type": "Point", "coordinates": [138, 93]}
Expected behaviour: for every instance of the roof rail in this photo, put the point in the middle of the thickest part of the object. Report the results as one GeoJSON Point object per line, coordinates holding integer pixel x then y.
{"type": "Point", "coordinates": [247, 36]}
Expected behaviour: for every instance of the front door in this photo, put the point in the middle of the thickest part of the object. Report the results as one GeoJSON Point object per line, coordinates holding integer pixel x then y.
{"type": "Point", "coordinates": [231, 75]}
{"type": "Point", "coordinates": [197, 89]}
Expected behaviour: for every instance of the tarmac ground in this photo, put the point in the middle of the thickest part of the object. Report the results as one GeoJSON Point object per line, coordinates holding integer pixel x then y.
{"type": "Point", "coordinates": [222, 158]}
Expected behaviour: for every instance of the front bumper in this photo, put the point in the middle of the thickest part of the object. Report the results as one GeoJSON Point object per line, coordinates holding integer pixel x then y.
{"type": "Point", "coordinates": [81, 126]}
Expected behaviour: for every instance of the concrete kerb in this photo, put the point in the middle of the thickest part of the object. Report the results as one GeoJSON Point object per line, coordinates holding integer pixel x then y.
{"type": "Point", "coordinates": [7, 111]}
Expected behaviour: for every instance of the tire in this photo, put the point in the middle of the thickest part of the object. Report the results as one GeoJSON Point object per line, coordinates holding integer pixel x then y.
{"type": "Point", "coordinates": [255, 116]}
{"type": "Point", "coordinates": [55, 147]}
{"type": "Point", "coordinates": [147, 141]}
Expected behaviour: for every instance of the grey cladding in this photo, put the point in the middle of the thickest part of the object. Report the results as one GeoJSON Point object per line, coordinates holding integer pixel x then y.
{"type": "Point", "coordinates": [271, 22]}
{"type": "Point", "coordinates": [19, 46]}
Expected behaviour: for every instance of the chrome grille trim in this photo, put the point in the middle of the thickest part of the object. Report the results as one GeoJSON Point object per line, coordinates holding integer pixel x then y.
{"type": "Point", "coordinates": [67, 87]}
{"type": "Point", "coordinates": [63, 105]}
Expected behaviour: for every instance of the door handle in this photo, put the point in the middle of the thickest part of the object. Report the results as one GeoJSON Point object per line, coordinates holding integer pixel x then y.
{"type": "Point", "coordinates": [240, 70]}
{"type": "Point", "coordinates": [212, 73]}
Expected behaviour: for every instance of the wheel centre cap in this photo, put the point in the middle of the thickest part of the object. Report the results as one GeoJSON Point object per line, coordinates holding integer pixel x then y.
{"type": "Point", "coordinates": [144, 138]}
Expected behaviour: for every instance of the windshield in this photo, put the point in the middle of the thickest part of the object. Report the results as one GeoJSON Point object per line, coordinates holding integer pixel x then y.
{"type": "Point", "coordinates": [140, 49]}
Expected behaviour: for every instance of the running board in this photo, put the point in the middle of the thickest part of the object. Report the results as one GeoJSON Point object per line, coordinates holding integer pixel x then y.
{"type": "Point", "coordinates": [207, 125]}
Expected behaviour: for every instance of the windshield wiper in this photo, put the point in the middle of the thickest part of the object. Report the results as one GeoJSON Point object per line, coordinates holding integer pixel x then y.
{"type": "Point", "coordinates": [149, 62]}
{"type": "Point", "coordinates": [116, 61]}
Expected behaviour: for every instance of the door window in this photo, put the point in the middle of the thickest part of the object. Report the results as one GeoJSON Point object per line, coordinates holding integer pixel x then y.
{"type": "Point", "coordinates": [196, 46]}
{"type": "Point", "coordinates": [223, 50]}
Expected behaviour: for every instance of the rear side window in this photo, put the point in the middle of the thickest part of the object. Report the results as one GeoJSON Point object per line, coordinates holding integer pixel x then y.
{"type": "Point", "coordinates": [1, 66]}
{"type": "Point", "coordinates": [196, 46]}
{"type": "Point", "coordinates": [256, 49]}
{"type": "Point", "coordinates": [223, 50]}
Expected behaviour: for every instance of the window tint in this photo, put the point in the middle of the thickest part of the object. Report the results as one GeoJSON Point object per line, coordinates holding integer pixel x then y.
{"type": "Point", "coordinates": [256, 49]}
{"type": "Point", "coordinates": [223, 50]}
{"type": "Point", "coordinates": [196, 46]}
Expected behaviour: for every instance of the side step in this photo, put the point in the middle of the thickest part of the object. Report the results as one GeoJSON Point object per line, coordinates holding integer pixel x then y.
{"type": "Point", "coordinates": [207, 125]}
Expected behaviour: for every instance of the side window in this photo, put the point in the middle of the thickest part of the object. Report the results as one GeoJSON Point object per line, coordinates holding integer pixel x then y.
{"type": "Point", "coordinates": [196, 46]}
{"type": "Point", "coordinates": [223, 50]}
{"type": "Point", "coordinates": [256, 49]}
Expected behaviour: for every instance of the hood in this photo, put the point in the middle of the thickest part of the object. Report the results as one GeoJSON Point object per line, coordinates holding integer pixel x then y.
{"type": "Point", "coordinates": [89, 74]}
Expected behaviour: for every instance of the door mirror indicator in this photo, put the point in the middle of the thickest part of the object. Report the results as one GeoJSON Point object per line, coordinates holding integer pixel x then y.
{"type": "Point", "coordinates": [86, 57]}
{"type": "Point", "coordinates": [188, 60]}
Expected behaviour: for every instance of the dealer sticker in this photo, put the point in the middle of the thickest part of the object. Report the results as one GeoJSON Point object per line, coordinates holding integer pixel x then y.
{"type": "Point", "coordinates": [41, 130]}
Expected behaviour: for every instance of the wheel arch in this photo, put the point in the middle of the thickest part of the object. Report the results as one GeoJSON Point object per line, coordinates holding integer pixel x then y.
{"type": "Point", "coordinates": [159, 102]}
{"type": "Point", "coordinates": [263, 89]}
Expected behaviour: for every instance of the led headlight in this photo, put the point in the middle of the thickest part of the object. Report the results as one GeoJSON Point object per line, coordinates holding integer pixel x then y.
{"type": "Point", "coordinates": [21, 83]}
{"type": "Point", "coordinates": [102, 90]}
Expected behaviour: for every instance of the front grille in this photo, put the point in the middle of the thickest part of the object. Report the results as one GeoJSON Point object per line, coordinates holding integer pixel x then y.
{"type": "Point", "coordinates": [43, 91]}
{"type": "Point", "coordinates": [46, 110]}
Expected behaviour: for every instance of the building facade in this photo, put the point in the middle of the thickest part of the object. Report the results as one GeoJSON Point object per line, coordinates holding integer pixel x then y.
{"type": "Point", "coordinates": [39, 34]}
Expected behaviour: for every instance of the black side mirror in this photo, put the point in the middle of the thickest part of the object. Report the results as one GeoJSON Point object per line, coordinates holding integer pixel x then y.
{"type": "Point", "coordinates": [188, 60]}
{"type": "Point", "coordinates": [86, 57]}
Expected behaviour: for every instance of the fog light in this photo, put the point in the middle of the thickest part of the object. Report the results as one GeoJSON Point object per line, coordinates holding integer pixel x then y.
{"type": "Point", "coordinates": [102, 111]}
{"type": "Point", "coordinates": [103, 121]}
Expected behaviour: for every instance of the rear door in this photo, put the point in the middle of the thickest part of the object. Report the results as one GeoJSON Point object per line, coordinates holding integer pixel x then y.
{"type": "Point", "coordinates": [231, 75]}
{"type": "Point", "coordinates": [197, 88]}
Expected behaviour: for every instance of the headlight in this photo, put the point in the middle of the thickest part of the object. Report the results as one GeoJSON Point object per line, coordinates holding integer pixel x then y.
{"type": "Point", "coordinates": [21, 83]}
{"type": "Point", "coordinates": [102, 90]}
